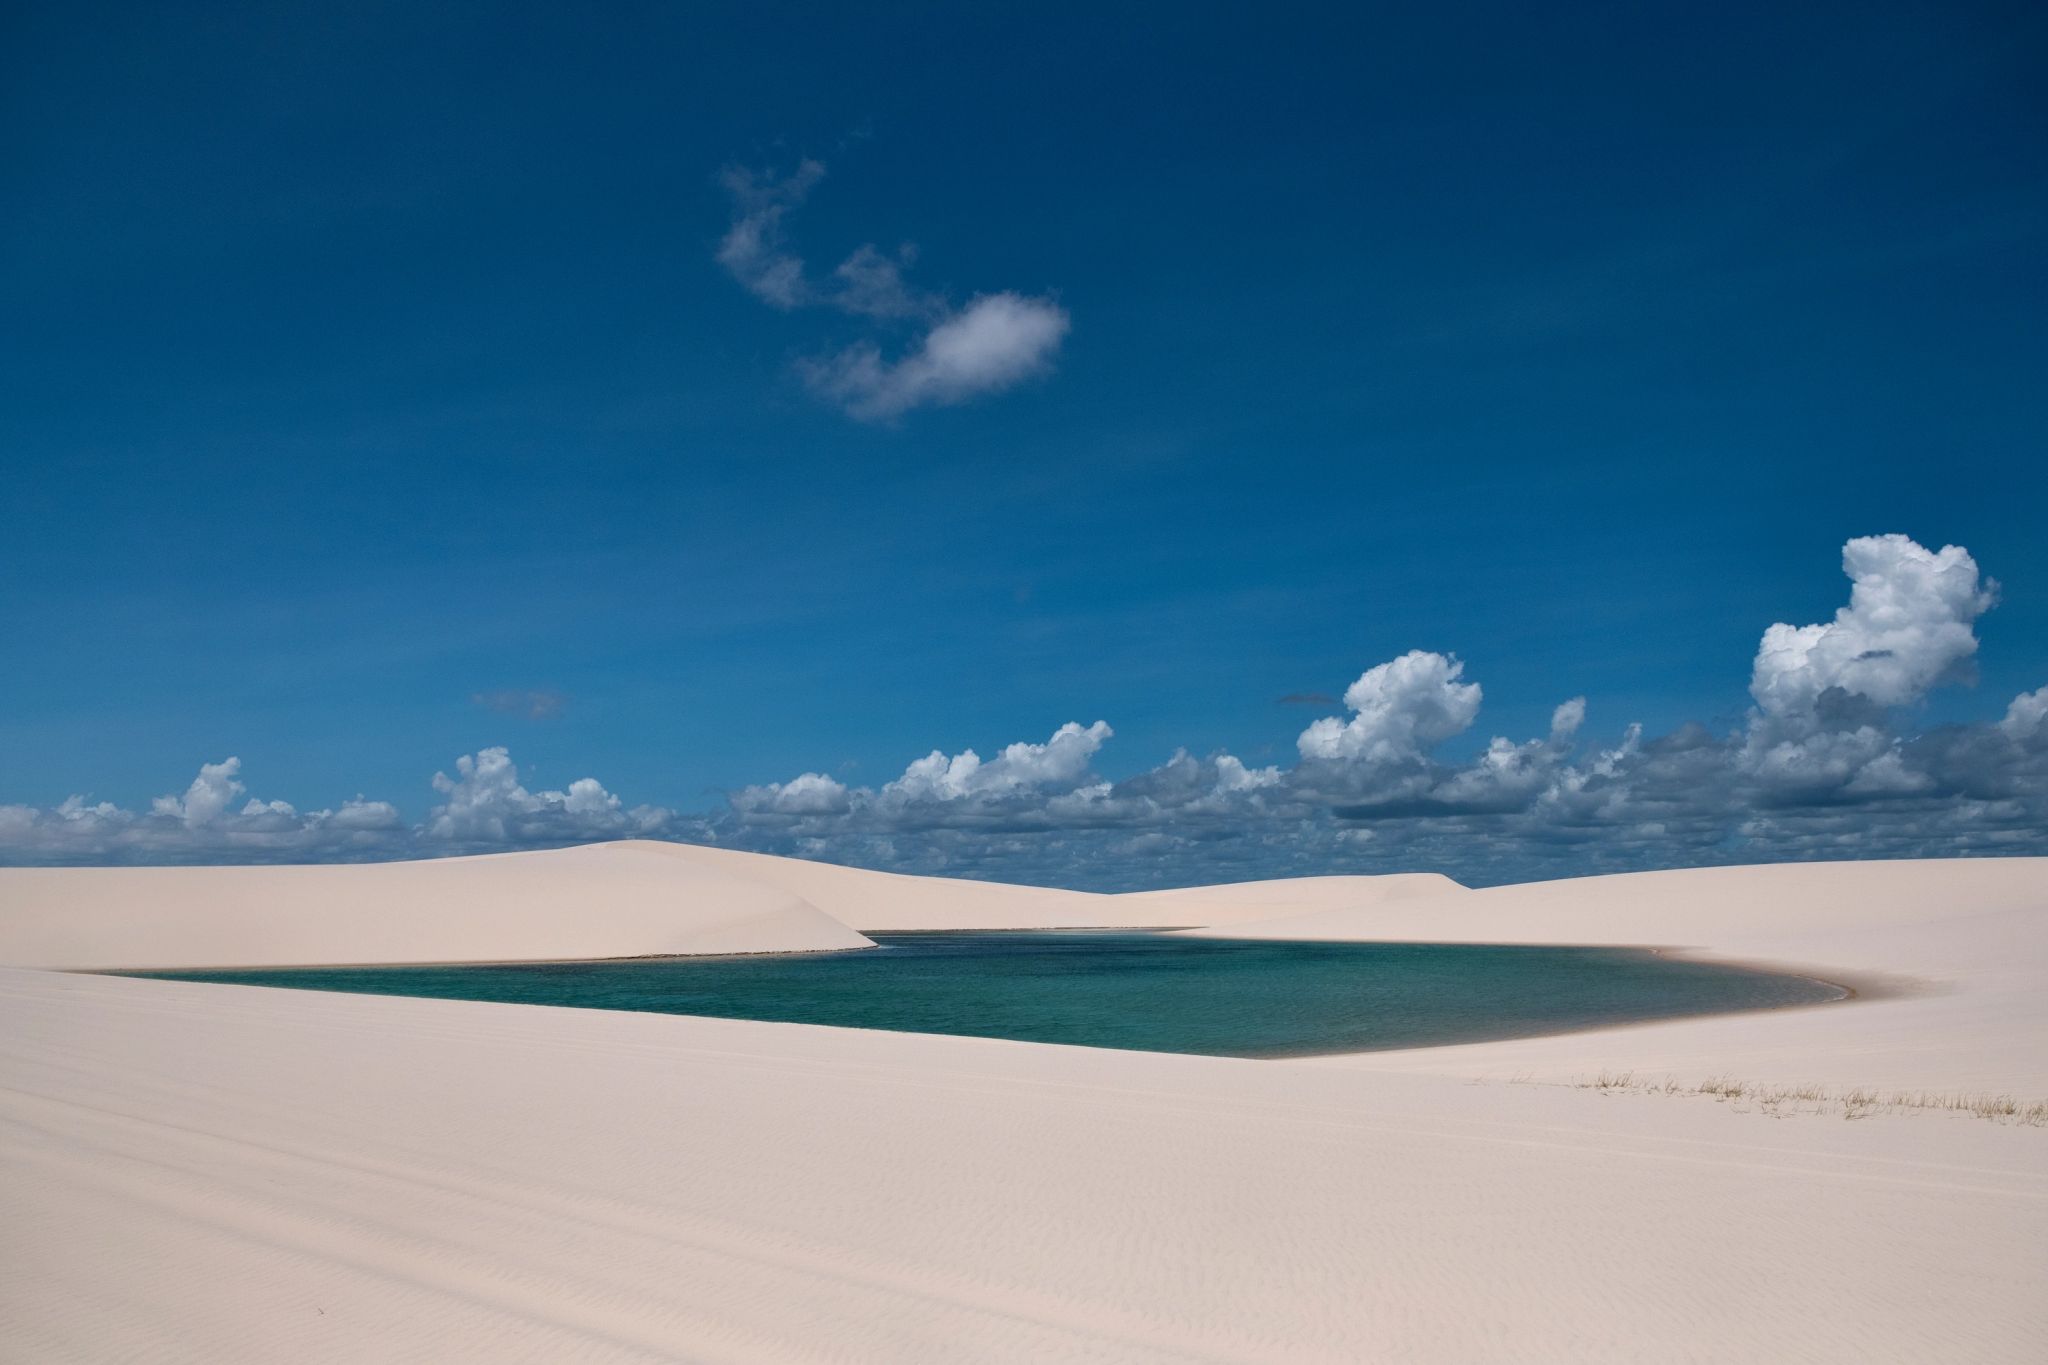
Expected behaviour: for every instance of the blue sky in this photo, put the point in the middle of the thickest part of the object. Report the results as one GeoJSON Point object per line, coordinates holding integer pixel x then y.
{"type": "Point", "coordinates": [374, 393]}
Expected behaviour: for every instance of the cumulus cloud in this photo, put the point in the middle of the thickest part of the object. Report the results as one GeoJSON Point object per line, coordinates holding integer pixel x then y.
{"type": "Point", "coordinates": [1818, 769]}
{"type": "Point", "coordinates": [976, 809]}
{"type": "Point", "coordinates": [2027, 717]}
{"type": "Point", "coordinates": [1908, 627]}
{"type": "Point", "coordinates": [995, 342]}
{"type": "Point", "coordinates": [963, 776]}
{"type": "Point", "coordinates": [76, 823]}
{"type": "Point", "coordinates": [805, 794]}
{"type": "Point", "coordinates": [360, 816]}
{"type": "Point", "coordinates": [206, 798]}
{"type": "Point", "coordinates": [1827, 764]}
{"type": "Point", "coordinates": [486, 804]}
{"type": "Point", "coordinates": [1822, 691]}
{"type": "Point", "coordinates": [1233, 776]}
{"type": "Point", "coordinates": [1402, 709]}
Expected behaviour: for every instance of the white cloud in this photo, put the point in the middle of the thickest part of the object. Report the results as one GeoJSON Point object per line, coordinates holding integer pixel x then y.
{"type": "Point", "coordinates": [1039, 784]}
{"type": "Point", "coordinates": [587, 799]}
{"type": "Point", "coordinates": [1233, 776]}
{"type": "Point", "coordinates": [997, 342]}
{"type": "Point", "coordinates": [1888, 774]}
{"type": "Point", "coordinates": [1505, 777]}
{"type": "Point", "coordinates": [203, 822]}
{"type": "Point", "coordinates": [82, 810]}
{"type": "Point", "coordinates": [1820, 761]}
{"type": "Point", "coordinates": [1060, 761]}
{"type": "Point", "coordinates": [487, 804]}
{"type": "Point", "coordinates": [360, 816]}
{"type": "Point", "coordinates": [1822, 772]}
{"type": "Point", "coordinates": [1821, 690]}
{"type": "Point", "coordinates": [206, 798]}
{"type": "Point", "coordinates": [1403, 708]}
{"type": "Point", "coordinates": [483, 793]}
{"type": "Point", "coordinates": [1611, 761]}
{"type": "Point", "coordinates": [2027, 717]}
{"type": "Point", "coordinates": [806, 794]}
{"type": "Point", "coordinates": [1908, 627]}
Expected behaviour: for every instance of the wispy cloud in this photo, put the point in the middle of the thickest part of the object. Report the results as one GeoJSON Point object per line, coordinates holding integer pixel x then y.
{"type": "Point", "coordinates": [513, 701]}
{"type": "Point", "coordinates": [755, 248]}
{"type": "Point", "coordinates": [992, 343]}
{"type": "Point", "coordinates": [996, 342]}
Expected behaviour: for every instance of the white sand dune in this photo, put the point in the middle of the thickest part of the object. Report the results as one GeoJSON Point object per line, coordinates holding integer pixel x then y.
{"type": "Point", "coordinates": [603, 900]}
{"type": "Point", "coordinates": [193, 1172]}
{"type": "Point", "coordinates": [880, 901]}
{"type": "Point", "coordinates": [214, 1173]}
{"type": "Point", "coordinates": [630, 898]}
{"type": "Point", "coordinates": [890, 900]}
{"type": "Point", "coordinates": [1966, 940]}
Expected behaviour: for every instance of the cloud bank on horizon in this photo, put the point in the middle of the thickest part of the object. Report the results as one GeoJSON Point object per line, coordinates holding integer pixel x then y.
{"type": "Point", "coordinates": [991, 343]}
{"type": "Point", "coordinates": [1824, 765]}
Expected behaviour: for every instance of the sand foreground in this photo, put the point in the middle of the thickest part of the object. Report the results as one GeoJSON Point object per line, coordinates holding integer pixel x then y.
{"type": "Point", "coordinates": [218, 1173]}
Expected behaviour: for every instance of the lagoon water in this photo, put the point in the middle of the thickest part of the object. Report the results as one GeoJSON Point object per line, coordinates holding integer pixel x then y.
{"type": "Point", "coordinates": [1144, 991]}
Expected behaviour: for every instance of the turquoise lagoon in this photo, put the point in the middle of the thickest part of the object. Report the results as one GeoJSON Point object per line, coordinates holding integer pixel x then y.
{"type": "Point", "coordinates": [1146, 991]}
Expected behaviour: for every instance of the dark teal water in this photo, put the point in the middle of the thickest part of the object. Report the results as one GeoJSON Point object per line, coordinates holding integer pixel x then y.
{"type": "Point", "coordinates": [1150, 992]}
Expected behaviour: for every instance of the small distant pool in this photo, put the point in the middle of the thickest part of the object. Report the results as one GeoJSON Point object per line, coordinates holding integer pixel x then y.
{"type": "Point", "coordinates": [1145, 991]}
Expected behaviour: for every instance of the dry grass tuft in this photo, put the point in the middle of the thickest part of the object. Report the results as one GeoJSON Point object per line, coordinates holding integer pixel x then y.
{"type": "Point", "coordinates": [1780, 1101]}
{"type": "Point", "coordinates": [1723, 1088]}
{"type": "Point", "coordinates": [1611, 1080]}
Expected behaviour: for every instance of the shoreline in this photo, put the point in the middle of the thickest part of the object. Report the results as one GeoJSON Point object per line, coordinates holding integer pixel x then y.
{"type": "Point", "coordinates": [1861, 987]}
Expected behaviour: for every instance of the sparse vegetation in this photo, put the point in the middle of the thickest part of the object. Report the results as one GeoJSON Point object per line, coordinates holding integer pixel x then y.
{"type": "Point", "coordinates": [1781, 1101]}
{"type": "Point", "coordinates": [1723, 1088]}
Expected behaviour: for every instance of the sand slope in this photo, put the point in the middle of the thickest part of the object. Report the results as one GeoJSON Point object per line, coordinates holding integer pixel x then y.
{"type": "Point", "coordinates": [623, 899]}
{"type": "Point", "coordinates": [215, 1173]}
{"type": "Point", "coordinates": [604, 900]}
{"type": "Point", "coordinates": [893, 900]}
{"type": "Point", "coordinates": [1732, 909]}
{"type": "Point", "coordinates": [1967, 938]}
{"type": "Point", "coordinates": [193, 1172]}
{"type": "Point", "coordinates": [876, 901]}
